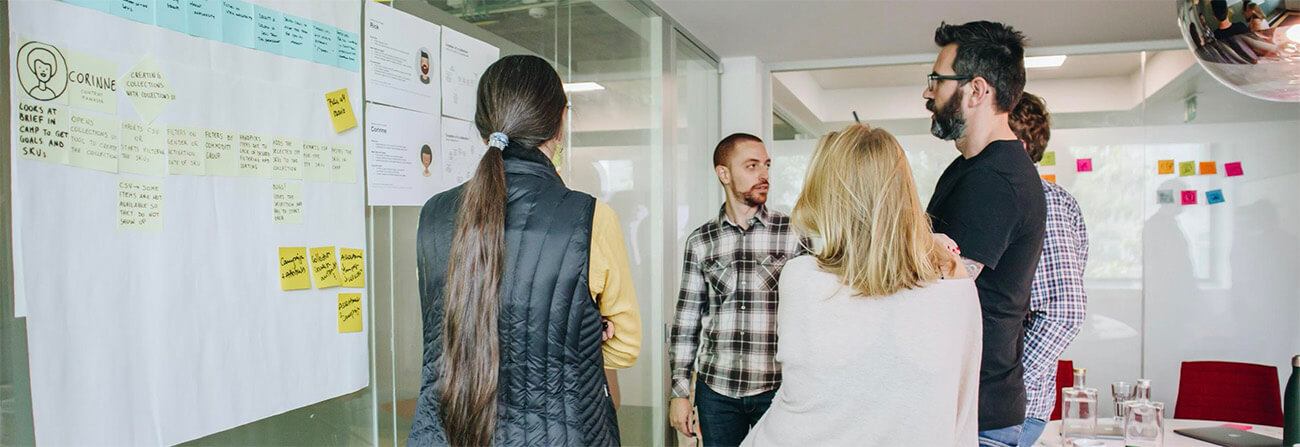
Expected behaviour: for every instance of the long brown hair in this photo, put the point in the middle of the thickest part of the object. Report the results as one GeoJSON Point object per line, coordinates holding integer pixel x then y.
{"type": "Point", "coordinates": [523, 98]}
{"type": "Point", "coordinates": [859, 198]}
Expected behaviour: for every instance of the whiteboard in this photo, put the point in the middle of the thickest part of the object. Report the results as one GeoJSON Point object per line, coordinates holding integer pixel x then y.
{"type": "Point", "coordinates": [162, 337]}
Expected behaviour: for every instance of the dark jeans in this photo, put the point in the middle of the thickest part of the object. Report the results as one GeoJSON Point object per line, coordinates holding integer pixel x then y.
{"type": "Point", "coordinates": [725, 421]}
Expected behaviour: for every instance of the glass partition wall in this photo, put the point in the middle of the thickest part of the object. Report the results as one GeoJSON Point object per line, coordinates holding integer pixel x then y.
{"type": "Point", "coordinates": [1166, 282]}
{"type": "Point", "coordinates": [619, 148]}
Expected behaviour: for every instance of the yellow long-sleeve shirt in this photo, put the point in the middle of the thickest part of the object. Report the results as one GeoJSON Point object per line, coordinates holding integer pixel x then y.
{"type": "Point", "coordinates": [610, 279]}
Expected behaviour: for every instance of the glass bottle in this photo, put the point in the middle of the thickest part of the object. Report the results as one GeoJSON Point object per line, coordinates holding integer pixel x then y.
{"type": "Point", "coordinates": [1078, 409]}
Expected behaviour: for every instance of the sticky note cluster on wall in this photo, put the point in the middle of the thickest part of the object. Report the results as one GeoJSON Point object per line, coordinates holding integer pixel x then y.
{"type": "Point", "coordinates": [1191, 168]}
{"type": "Point", "coordinates": [300, 268]}
{"type": "Point", "coordinates": [1189, 197]}
{"type": "Point", "coordinates": [245, 24]}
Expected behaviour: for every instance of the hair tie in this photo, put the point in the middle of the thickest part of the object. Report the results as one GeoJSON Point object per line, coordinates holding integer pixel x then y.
{"type": "Point", "coordinates": [498, 140]}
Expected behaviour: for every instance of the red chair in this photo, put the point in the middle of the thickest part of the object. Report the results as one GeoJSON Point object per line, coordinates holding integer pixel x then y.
{"type": "Point", "coordinates": [1064, 379]}
{"type": "Point", "coordinates": [1229, 392]}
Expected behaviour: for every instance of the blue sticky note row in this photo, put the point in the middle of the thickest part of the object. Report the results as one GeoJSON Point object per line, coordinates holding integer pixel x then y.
{"type": "Point", "coordinates": [204, 18]}
{"type": "Point", "coordinates": [170, 14]}
{"type": "Point", "coordinates": [296, 37]}
{"type": "Point", "coordinates": [138, 10]}
{"type": "Point", "coordinates": [322, 37]}
{"type": "Point", "coordinates": [348, 50]}
{"type": "Point", "coordinates": [241, 23]}
{"type": "Point", "coordinates": [1214, 196]}
{"type": "Point", "coordinates": [268, 29]}
{"type": "Point", "coordinates": [237, 23]}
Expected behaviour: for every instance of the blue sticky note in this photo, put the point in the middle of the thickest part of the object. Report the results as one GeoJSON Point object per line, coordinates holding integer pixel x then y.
{"type": "Point", "coordinates": [138, 10]}
{"type": "Point", "coordinates": [322, 37]}
{"type": "Point", "coordinates": [170, 14]}
{"type": "Point", "coordinates": [203, 18]}
{"type": "Point", "coordinates": [99, 5]}
{"type": "Point", "coordinates": [1214, 196]}
{"type": "Point", "coordinates": [348, 50]}
{"type": "Point", "coordinates": [295, 37]}
{"type": "Point", "coordinates": [267, 22]}
{"type": "Point", "coordinates": [237, 23]}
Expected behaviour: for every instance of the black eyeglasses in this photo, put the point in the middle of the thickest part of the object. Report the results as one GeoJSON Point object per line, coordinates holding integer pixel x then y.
{"type": "Point", "coordinates": [934, 78]}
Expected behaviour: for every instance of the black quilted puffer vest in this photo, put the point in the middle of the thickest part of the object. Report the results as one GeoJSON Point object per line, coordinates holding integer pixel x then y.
{"type": "Point", "coordinates": [552, 388]}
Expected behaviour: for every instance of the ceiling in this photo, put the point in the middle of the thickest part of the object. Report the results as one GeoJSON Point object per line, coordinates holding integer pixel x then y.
{"type": "Point", "coordinates": [779, 31]}
{"type": "Point", "coordinates": [913, 75]}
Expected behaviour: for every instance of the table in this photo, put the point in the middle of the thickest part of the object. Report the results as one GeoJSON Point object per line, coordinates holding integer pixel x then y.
{"type": "Point", "coordinates": [1052, 433]}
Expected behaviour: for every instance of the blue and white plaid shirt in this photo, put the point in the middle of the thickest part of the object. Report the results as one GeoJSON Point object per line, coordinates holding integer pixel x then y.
{"type": "Point", "coordinates": [1057, 301]}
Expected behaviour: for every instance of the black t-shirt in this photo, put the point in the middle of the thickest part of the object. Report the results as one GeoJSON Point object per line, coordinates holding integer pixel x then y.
{"type": "Point", "coordinates": [992, 205]}
{"type": "Point", "coordinates": [1235, 29]}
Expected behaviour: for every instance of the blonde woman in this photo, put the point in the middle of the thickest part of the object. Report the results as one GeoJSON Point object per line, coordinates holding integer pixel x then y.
{"type": "Point", "coordinates": [879, 331]}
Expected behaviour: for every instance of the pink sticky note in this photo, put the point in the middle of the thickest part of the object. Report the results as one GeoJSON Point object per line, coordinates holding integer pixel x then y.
{"type": "Point", "coordinates": [1232, 169]}
{"type": "Point", "coordinates": [1189, 197]}
{"type": "Point", "coordinates": [1238, 426]}
{"type": "Point", "coordinates": [1084, 164]}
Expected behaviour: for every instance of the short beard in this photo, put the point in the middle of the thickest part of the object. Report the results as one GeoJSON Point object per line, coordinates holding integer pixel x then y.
{"type": "Point", "coordinates": [752, 197]}
{"type": "Point", "coordinates": [948, 124]}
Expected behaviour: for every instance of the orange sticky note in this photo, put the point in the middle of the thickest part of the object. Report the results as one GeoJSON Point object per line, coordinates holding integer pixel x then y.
{"type": "Point", "coordinates": [1209, 167]}
{"type": "Point", "coordinates": [1165, 167]}
{"type": "Point", "coordinates": [1050, 178]}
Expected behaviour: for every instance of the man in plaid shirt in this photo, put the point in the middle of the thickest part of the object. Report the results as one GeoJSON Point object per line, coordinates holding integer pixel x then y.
{"type": "Point", "coordinates": [728, 302]}
{"type": "Point", "coordinates": [1057, 302]}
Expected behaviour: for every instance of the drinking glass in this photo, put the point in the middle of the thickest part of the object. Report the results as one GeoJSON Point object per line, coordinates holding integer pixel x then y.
{"type": "Point", "coordinates": [1122, 392]}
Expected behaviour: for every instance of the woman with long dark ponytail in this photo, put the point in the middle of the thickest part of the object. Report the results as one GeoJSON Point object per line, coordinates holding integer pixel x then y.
{"type": "Point", "coordinates": [516, 274]}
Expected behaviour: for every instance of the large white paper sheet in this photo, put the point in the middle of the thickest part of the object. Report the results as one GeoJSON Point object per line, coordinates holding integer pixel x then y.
{"type": "Point", "coordinates": [464, 59]}
{"type": "Point", "coordinates": [401, 156]}
{"type": "Point", "coordinates": [462, 148]}
{"type": "Point", "coordinates": [156, 338]}
{"type": "Point", "coordinates": [401, 59]}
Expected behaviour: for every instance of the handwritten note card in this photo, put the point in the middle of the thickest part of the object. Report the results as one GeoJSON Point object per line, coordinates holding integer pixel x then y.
{"type": "Point", "coordinates": [324, 269]}
{"type": "Point", "coordinates": [1164, 167]}
{"type": "Point", "coordinates": [293, 269]}
{"type": "Point", "coordinates": [340, 110]}
{"type": "Point", "coordinates": [286, 158]}
{"type": "Point", "coordinates": [349, 312]}
{"type": "Point", "coordinates": [222, 153]}
{"type": "Point", "coordinates": [254, 156]}
{"type": "Point", "coordinates": [139, 205]}
{"type": "Point", "coordinates": [93, 142]}
{"type": "Point", "coordinates": [316, 161]}
{"type": "Point", "coordinates": [352, 263]}
{"type": "Point", "coordinates": [143, 149]}
{"type": "Point", "coordinates": [42, 132]}
{"type": "Point", "coordinates": [185, 152]}
{"type": "Point", "coordinates": [1232, 169]}
{"type": "Point", "coordinates": [286, 200]}
{"type": "Point", "coordinates": [344, 169]}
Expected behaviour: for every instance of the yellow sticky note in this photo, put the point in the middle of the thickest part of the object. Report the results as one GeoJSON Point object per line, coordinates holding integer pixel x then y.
{"type": "Point", "coordinates": [139, 205]}
{"type": "Point", "coordinates": [316, 161]}
{"type": "Point", "coordinates": [1165, 167]}
{"type": "Point", "coordinates": [352, 262]}
{"type": "Point", "coordinates": [185, 152]}
{"type": "Point", "coordinates": [1049, 159]}
{"type": "Point", "coordinates": [349, 312]}
{"type": "Point", "coordinates": [1186, 168]}
{"type": "Point", "coordinates": [340, 109]}
{"type": "Point", "coordinates": [293, 269]}
{"type": "Point", "coordinates": [93, 142]}
{"type": "Point", "coordinates": [143, 149]}
{"type": "Point", "coordinates": [324, 269]}
{"type": "Point", "coordinates": [1050, 177]}
{"type": "Point", "coordinates": [42, 131]}
{"type": "Point", "coordinates": [1209, 167]}
{"type": "Point", "coordinates": [345, 170]}
{"type": "Point", "coordinates": [254, 155]}
{"type": "Point", "coordinates": [222, 153]}
{"type": "Point", "coordinates": [94, 85]}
